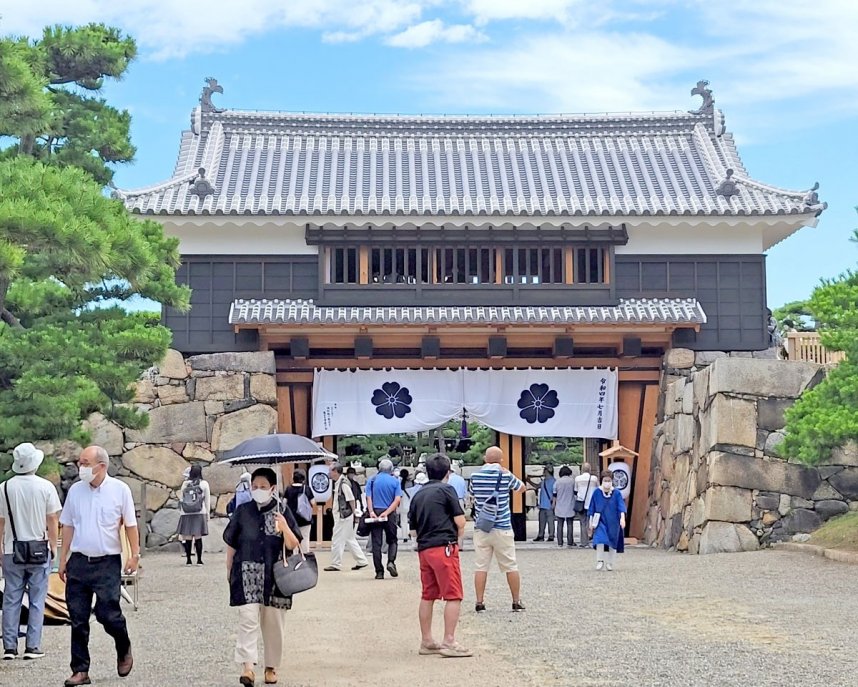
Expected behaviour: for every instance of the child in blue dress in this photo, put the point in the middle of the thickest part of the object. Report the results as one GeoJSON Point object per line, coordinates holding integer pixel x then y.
{"type": "Point", "coordinates": [607, 522]}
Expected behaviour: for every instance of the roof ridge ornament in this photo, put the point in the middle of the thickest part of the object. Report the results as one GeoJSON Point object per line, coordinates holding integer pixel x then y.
{"type": "Point", "coordinates": [212, 86]}
{"type": "Point", "coordinates": [811, 199]}
{"type": "Point", "coordinates": [727, 187]}
{"type": "Point", "coordinates": [200, 186]}
{"type": "Point", "coordinates": [707, 107]}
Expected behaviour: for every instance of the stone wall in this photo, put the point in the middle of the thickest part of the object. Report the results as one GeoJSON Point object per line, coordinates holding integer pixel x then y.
{"type": "Point", "coordinates": [717, 483]}
{"type": "Point", "coordinates": [197, 407]}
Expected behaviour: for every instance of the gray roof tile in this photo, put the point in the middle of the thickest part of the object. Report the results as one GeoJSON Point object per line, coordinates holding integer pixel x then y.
{"type": "Point", "coordinates": [686, 311]}
{"type": "Point", "coordinates": [272, 163]}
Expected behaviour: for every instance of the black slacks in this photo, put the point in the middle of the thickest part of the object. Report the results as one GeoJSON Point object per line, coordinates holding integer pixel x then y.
{"type": "Point", "coordinates": [379, 531]}
{"type": "Point", "coordinates": [99, 577]}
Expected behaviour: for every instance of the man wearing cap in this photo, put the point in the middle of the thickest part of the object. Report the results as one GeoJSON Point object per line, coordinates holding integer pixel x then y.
{"type": "Point", "coordinates": [29, 508]}
{"type": "Point", "coordinates": [91, 559]}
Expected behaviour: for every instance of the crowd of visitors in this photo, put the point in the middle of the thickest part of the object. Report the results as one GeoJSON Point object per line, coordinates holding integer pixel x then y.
{"type": "Point", "coordinates": [266, 527]}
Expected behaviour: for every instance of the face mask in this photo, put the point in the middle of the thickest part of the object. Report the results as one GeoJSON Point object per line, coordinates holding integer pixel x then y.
{"type": "Point", "coordinates": [86, 474]}
{"type": "Point", "coordinates": [261, 496]}
{"type": "Point", "coordinates": [606, 486]}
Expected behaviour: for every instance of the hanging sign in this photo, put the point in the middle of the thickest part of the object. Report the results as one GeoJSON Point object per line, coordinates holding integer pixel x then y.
{"type": "Point", "coordinates": [532, 402]}
{"type": "Point", "coordinates": [320, 482]}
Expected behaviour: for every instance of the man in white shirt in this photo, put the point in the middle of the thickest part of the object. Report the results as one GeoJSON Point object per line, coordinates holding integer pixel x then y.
{"type": "Point", "coordinates": [585, 486]}
{"type": "Point", "coordinates": [28, 513]}
{"type": "Point", "coordinates": [344, 509]}
{"type": "Point", "coordinates": [91, 559]}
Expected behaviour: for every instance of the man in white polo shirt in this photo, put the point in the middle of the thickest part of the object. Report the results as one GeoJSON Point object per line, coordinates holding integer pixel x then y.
{"type": "Point", "coordinates": [91, 559]}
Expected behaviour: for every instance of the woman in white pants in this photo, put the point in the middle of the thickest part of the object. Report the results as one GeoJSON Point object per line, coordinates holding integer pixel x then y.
{"type": "Point", "coordinates": [256, 537]}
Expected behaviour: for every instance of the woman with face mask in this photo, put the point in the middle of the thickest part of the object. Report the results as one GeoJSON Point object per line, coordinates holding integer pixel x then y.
{"type": "Point", "coordinates": [255, 539]}
{"type": "Point", "coordinates": [607, 522]}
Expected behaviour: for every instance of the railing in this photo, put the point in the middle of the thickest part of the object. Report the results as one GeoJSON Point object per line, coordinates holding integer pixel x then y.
{"type": "Point", "coordinates": [807, 346]}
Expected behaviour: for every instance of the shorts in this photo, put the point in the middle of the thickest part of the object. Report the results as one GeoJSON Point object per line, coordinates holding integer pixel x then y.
{"type": "Point", "coordinates": [498, 542]}
{"type": "Point", "coordinates": [440, 574]}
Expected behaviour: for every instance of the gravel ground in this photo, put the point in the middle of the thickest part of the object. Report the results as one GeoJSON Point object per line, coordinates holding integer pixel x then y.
{"type": "Point", "coordinates": [769, 618]}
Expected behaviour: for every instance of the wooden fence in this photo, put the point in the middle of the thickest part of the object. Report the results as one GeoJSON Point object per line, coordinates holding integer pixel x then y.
{"type": "Point", "coordinates": [807, 346]}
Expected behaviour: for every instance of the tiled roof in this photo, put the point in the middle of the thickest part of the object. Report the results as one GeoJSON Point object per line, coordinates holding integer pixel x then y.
{"type": "Point", "coordinates": [272, 163]}
{"type": "Point", "coordinates": [686, 312]}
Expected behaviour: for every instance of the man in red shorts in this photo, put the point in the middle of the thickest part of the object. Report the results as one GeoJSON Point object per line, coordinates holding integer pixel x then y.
{"type": "Point", "coordinates": [438, 525]}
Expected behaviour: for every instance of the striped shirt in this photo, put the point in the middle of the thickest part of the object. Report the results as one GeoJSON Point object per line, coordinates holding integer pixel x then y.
{"type": "Point", "coordinates": [483, 483]}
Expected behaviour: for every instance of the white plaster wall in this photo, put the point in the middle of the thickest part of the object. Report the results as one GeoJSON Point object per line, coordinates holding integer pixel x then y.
{"type": "Point", "coordinates": [239, 236]}
{"type": "Point", "coordinates": [688, 240]}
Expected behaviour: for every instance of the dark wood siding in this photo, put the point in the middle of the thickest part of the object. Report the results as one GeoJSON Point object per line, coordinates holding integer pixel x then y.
{"type": "Point", "coordinates": [217, 280]}
{"type": "Point", "coordinates": [731, 289]}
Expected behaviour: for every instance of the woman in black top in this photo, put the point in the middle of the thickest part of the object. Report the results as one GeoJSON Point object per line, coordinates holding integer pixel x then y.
{"type": "Point", "coordinates": [255, 539]}
{"type": "Point", "coordinates": [293, 492]}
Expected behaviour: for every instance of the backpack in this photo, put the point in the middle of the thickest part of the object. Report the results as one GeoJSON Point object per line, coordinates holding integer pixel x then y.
{"type": "Point", "coordinates": [242, 496]}
{"type": "Point", "coordinates": [488, 515]}
{"type": "Point", "coordinates": [305, 508]}
{"type": "Point", "coordinates": [192, 498]}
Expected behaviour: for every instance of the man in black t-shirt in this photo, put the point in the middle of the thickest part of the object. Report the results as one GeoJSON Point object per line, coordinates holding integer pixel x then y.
{"type": "Point", "coordinates": [438, 524]}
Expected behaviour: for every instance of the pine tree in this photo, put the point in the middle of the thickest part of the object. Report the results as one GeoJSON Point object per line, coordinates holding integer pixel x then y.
{"type": "Point", "coordinates": [70, 256]}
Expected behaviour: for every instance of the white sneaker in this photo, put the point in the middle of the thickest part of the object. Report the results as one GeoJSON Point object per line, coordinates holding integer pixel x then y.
{"type": "Point", "coordinates": [609, 567]}
{"type": "Point", "coordinates": [600, 565]}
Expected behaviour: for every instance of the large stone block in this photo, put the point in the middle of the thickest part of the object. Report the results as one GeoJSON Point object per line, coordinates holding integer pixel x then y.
{"type": "Point", "coordinates": [226, 388]}
{"type": "Point", "coordinates": [222, 478]}
{"type": "Point", "coordinates": [263, 388]}
{"type": "Point", "coordinates": [214, 542]}
{"type": "Point", "coordinates": [845, 455]}
{"type": "Point", "coordinates": [195, 452]}
{"type": "Point", "coordinates": [770, 413]}
{"type": "Point", "coordinates": [846, 482]}
{"type": "Point", "coordinates": [144, 391]}
{"type": "Point", "coordinates": [104, 433]}
{"type": "Point", "coordinates": [180, 422]}
{"type": "Point", "coordinates": [688, 399]}
{"type": "Point", "coordinates": [828, 509]}
{"type": "Point", "coordinates": [165, 522]}
{"type": "Point", "coordinates": [262, 361]}
{"type": "Point", "coordinates": [732, 470]}
{"type": "Point", "coordinates": [156, 464]}
{"type": "Point", "coordinates": [704, 358]}
{"type": "Point", "coordinates": [725, 537]}
{"type": "Point", "coordinates": [728, 504]}
{"type": "Point", "coordinates": [684, 434]}
{"type": "Point", "coordinates": [679, 358]}
{"type": "Point", "coordinates": [173, 365]}
{"type": "Point", "coordinates": [156, 496]}
{"type": "Point", "coordinates": [825, 492]}
{"type": "Point", "coordinates": [767, 501]}
{"type": "Point", "coordinates": [230, 430]}
{"type": "Point", "coordinates": [168, 395]}
{"type": "Point", "coordinates": [801, 520]}
{"type": "Point", "coordinates": [729, 422]}
{"type": "Point", "coordinates": [767, 378]}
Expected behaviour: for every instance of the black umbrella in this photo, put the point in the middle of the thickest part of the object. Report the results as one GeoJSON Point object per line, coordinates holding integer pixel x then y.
{"type": "Point", "coordinates": [272, 449]}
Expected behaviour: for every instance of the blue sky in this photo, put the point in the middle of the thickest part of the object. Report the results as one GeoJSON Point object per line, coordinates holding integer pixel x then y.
{"type": "Point", "coordinates": [783, 71]}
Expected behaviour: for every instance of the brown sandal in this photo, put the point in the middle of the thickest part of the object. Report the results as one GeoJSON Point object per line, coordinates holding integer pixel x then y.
{"type": "Point", "coordinates": [248, 678]}
{"type": "Point", "coordinates": [270, 676]}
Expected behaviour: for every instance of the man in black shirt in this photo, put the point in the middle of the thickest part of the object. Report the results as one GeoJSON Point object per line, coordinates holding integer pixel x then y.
{"type": "Point", "coordinates": [438, 524]}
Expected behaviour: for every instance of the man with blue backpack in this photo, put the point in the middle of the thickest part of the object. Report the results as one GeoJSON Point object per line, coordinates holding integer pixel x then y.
{"type": "Point", "coordinates": [493, 537]}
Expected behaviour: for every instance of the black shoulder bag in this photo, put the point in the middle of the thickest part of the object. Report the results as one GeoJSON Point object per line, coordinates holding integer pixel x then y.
{"type": "Point", "coordinates": [578, 506]}
{"type": "Point", "coordinates": [33, 552]}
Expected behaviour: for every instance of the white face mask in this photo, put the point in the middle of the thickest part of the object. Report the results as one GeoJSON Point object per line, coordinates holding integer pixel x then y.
{"type": "Point", "coordinates": [86, 474]}
{"type": "Point", "coordinates": [261, 496]}
{"type": "Point", "coordinates": [607, 486]}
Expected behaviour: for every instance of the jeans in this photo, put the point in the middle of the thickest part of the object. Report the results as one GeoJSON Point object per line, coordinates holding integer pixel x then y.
{"type": "Point", "coordinates": [100, 577]}
{"type": "Point", "coordinates": [546, 520]}
{"type": "Point", "coordinates": [378, 533]}
{"type": "Point", "coordinates": [32, 579]}
{"type": "Point", "coordinates": [570, 536]}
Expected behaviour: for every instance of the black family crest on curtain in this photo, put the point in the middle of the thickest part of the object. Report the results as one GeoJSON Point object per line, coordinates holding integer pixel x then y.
{"type": "Point", "coordinates": [537, 403]}
{"type": "Point", "coordinates": [392, 400]}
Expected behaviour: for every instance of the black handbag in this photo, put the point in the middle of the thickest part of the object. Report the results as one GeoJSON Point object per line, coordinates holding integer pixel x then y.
{"type": "Point", "coordinates": [34, 552]}
{"type": "Point", "coordinates": [296, 573]}
{"type": "Point", "coordinates": [581, 503]}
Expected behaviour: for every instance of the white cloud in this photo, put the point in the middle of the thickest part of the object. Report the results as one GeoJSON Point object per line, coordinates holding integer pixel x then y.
{"type": "Point", "coordinates": [485, 11]}
{"type": "Point", "coordinates": [435, 31]}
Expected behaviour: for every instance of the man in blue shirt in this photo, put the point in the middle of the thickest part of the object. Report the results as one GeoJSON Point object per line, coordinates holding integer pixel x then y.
{"type": "Point", "coordinates": [545, 490]}
{"type": "Point", "coordinates": [499, 542]}
{"type": "Point", "coordinates": [383, 494]}
{"type": "Point", "coordinates": [458, 483]}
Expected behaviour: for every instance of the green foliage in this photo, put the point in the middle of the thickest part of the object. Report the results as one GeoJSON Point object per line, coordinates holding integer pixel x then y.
{"type": "Point", "coordinates": [49, 468]}
{"type": "Point", "coordinates": [69, 254]}
{"type": "Point", "coordinates": [826, 417]}
{"type": "Point", "coordinates": [794, 317]}
{"type": "Point", "coordinates": [370, 449]}
{"type": "Point", "coordinates": [47, 104]}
